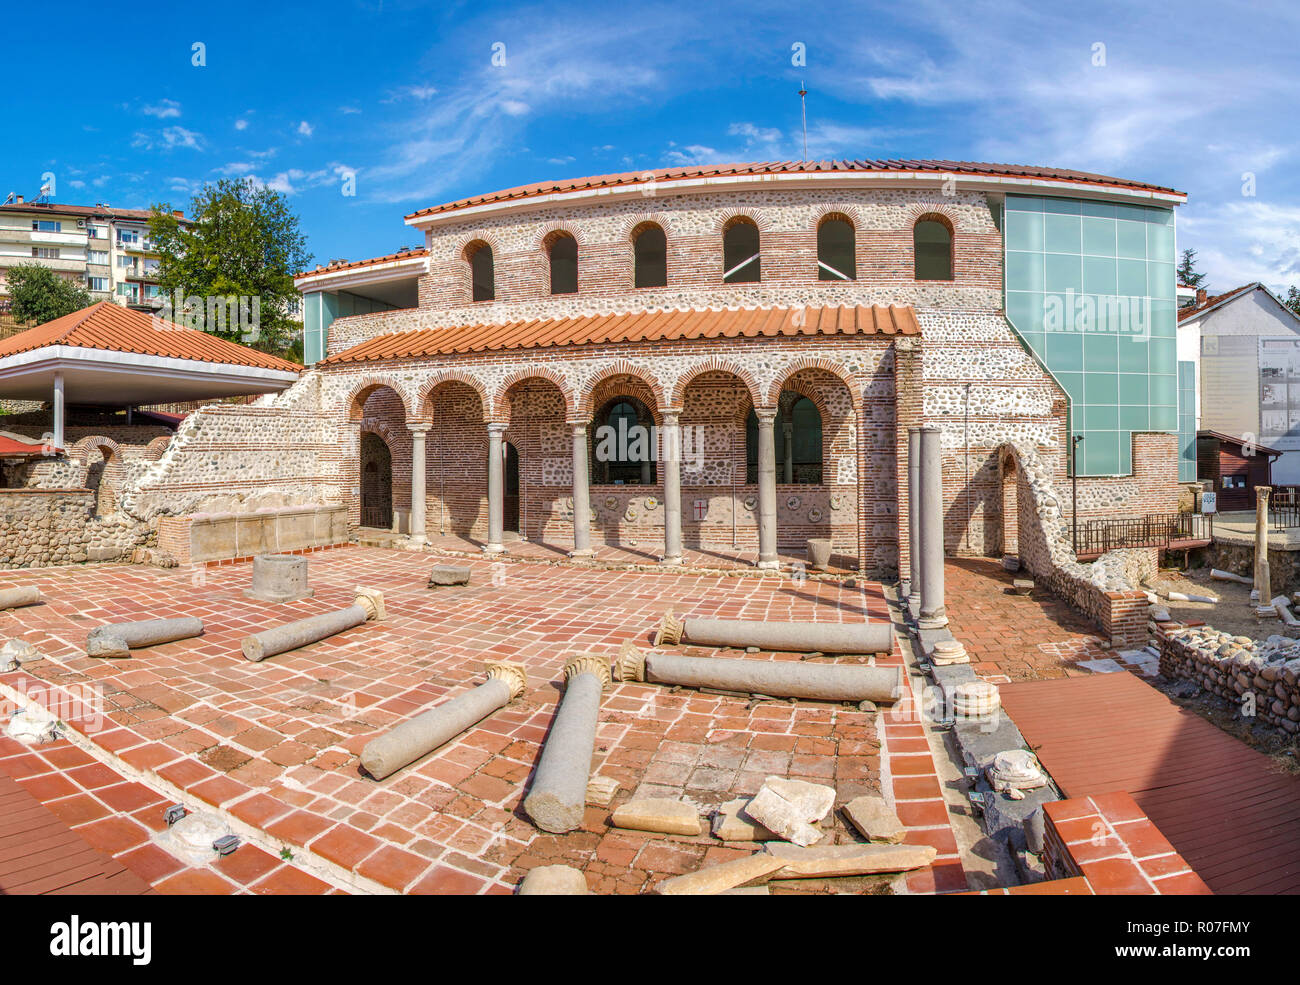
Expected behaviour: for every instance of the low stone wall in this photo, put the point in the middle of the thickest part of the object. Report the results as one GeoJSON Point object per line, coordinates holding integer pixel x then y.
{"type": "Point", "coordinates": [1105, 591]}
{"type": "Point", "coordinates": [204, 537]}
{"type": "Point", "coordinates": [43, 527]}
{"type": "Point", "coordinates": [1236, 666]}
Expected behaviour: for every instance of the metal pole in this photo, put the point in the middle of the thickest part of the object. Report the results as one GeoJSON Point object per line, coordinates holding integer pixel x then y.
{"type": "Point", "coordinates": [1074, 489]}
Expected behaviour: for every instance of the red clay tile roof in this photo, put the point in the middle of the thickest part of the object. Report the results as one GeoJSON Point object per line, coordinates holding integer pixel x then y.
{"type": "Point", "coordinates": [12, 446]}
{"type": "Point", "coordinates": [1210, 302]}
{"type": "Point", "coordinates": [112, 327]}
{"type": "Point", "coordinates": [93, 211]}
{"type": "Point", "coordinates": [333, 268]}
{"type": "Point", "coordinates": [647, 326]}
{"type": "Point", "coordinates": [791, 167]}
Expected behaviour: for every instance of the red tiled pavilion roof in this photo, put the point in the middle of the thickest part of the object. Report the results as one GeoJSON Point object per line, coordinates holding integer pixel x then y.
{"type": "Point", "coordinates": [646, 326]}
{"type": "Point", "coordinates": [924, 166]}
{"type": "Point", "coordinates": [111, 327]}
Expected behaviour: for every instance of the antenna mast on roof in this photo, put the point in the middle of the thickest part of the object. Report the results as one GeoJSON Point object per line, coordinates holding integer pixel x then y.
{"type": "Point", "coordinates": [803, 109]}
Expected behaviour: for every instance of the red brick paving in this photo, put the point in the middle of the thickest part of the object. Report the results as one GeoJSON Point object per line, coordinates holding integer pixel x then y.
{"type": "Point", "coordinates": [288, 731]}
{"type": "Point", "coordinates": [1019, 637]}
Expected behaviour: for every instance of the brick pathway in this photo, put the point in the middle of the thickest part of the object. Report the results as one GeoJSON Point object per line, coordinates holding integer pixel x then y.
{"type": "Point", "coordinates": [1011, 636]}
{"type": "Point", "coordinates": [275, 745]}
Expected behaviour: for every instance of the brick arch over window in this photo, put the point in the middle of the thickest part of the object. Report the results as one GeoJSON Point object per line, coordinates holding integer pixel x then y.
{"type": "Point", "coordinates": [355, 402]}
{"type": "Point", "coordinates": [108, 449]}
{"type": "Point", "coordinates": [932, 210]}
{"type": "Point", "coordinates": [729, 217]}
{"type": "Point", "coordinates": [500, 396]}
{"type": "Point", "coordinates": [714, 365]}
{"type": "Point", "coordinates": [637, 220]}
{"type": "Point", "coordinates": [621, 378]}
{"type": "Point", "coordinates": [467, 253]}
{"type": "Point", "coordinates": [646, 267]}
{"type": "Point", "coordinates": [555, 264]}
{"type": "Point", "coordinates": [934, 266]}
{"type": "Point", "coordinates": [424, 398]}
{"type": "Point", "coordinates": [784, 378]}
{"type": "Point", "coordinates": [155, 448]}
{"type": "Point", "coordinates": [837, 260]}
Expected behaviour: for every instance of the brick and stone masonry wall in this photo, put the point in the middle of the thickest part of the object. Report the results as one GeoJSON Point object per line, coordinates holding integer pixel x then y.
{"type": "Point", "coordinates": [43, 527]}
{"type": "Point", "coordinates": [1265, 673]}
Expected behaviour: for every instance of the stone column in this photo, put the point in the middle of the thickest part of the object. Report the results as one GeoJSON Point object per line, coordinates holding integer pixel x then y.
{"type": "Point", "coordinates": [116, 639]}
{"type": "Point", "coordinates": [787, 428]}
{"type": "Point", "coordinates": [424, 733]}
{"type": "Point", "coordinates": [670, 459]}
{"type": "Point", "coordinates": [58, 410]}
{"type": "Point", "coordinates": [913, 512]}
{"type": "Point", "coordinates": [559, 793]}
{"type": "Point", "coordinates": [419, 475]}
{"type": "Point", "coordinates": [581, 495]}
{"type": "Point", "coordinates": [766, 488]}
{"type": "Point", "coordinates": [367, 606]}
{"type": "Point", "coordinates": [929, 513]}
{"type": "Point", "coordinates": [1263, 577]}
{"type": "Point", "coordinates": [496, 490]}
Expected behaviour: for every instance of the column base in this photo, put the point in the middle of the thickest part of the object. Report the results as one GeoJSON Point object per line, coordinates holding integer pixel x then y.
{"type": "Point", "coordinates": [494, 549]}
{"type": "Point", "coordinates": [672, 560]}
{"type": "Point", "coordinates": [418, 541]}
{"type": "Point", "coordinates": [935, 620]}
{"type": "Point", "coordinates": [585, 552]}
{"type": "Point", "coordinates": [769, 565]}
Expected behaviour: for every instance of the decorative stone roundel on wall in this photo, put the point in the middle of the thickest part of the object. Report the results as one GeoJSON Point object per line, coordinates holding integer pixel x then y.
{"type": "Point", "coordinates": [792, 503]}
{"type": "Point", "coordinates": [814, 515]}
{"type": "Point", "coordinates": [750, 503]}
{"type": "Point", "coordinates": [651, 503]}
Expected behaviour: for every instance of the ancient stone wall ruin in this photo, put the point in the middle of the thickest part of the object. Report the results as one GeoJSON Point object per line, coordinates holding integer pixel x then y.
{"type": "Point", "coordinates": [1263, 673]}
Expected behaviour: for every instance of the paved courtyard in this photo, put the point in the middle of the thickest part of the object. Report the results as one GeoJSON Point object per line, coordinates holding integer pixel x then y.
{"type": "Point", "coordinates": [274, 746]}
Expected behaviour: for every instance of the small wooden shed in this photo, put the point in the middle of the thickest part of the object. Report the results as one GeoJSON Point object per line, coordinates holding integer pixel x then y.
{"type": "Point", "coordinates": [1235, 465]}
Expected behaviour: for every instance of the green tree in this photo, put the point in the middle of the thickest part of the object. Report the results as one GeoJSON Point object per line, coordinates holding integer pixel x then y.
{"type": "Point", "coordinates": [1292, 299]}
{"type": "Point", "coordinates": [1187, 272]}
{"type": "Point", "coordinates": [242, 242]}
{"type": "Point", "coordinates": [37, 294]}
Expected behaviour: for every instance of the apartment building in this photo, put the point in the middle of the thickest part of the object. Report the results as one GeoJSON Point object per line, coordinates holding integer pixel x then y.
{"type": "Point", "coordinates": [106, 250]}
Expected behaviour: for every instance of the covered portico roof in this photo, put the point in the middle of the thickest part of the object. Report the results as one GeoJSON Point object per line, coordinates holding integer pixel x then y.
{"type": "Point", "coordinates": [108, 354]}
{"type": "Point", "coordinates": [642, 326]}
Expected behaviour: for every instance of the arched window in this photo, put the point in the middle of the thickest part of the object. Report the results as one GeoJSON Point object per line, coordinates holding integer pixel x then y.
{"type": "Point", "coordinates": [623, 444]}
{"type": "Point", "coordinates": [798, 438]}
{"type": "Point", "coordinates": [932, 249]}
{"type": "Point", "coordinates": [564, 264]}
{"type": "Point", "coordinates": [649, 256]}
{"type": "Point", "coordinates": [740, 252]}
{"type": "Point", "coordinates": [836, 259]}
{"type": "Point", "coordinates": [482, 278]}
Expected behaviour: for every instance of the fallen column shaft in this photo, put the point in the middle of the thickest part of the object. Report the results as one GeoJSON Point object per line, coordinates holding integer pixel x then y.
{"type": "Point", "coordinates": [559, 793]}
{"type": "Point", "coordinates": [114, 640]}
{"type": "Point", "coordinates": [369, 604]}
{"type": "Point", "coordinates": [796, 637]}
{"type": "Point", "coordinates": [424, 733]}
{"type": "Point", "coordinates": [15, 598]}
{"type": "Point", "coordinates": [775, 678]}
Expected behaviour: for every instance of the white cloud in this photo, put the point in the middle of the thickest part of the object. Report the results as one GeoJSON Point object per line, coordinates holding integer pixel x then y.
{"type": "Point", "coordinates": [169, 138]}
{"type": "Point", "coordinates": [165, 109]}
{"type": "Point", "coordinates": [305, 129]}
{"type": "Point", "coordinates": [241, 124]}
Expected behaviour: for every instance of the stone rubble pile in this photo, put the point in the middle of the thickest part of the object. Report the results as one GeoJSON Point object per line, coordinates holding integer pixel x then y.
{"type": "Point", "coordinates": [1234, 666]}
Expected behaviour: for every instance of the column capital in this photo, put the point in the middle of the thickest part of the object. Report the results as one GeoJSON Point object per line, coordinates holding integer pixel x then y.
{"type": "Point", "coordinates": [420, 428]}
{"type": "Point", "coordinates": [765, 414]}
{"type": "Point", "coordinates": [372, 600]}
{"type": "Point", "coordinates": [578, 427]}
{"type": "Point", "coordinates": [671, 415]}
{"type": "Point", "coordinates": [585, 663]}
{"type": "Point", "coordinates": [512, 672]}
{"type": "Point", "coordinates": [630, 665]}
{"type": "Point", "coordinates": [497, 427]}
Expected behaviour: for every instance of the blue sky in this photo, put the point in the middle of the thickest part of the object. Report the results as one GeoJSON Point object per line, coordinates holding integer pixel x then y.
{"type": "Point", "coordinates": [405, 96]}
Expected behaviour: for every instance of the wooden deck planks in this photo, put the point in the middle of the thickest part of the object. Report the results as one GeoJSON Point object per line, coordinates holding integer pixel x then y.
{"type": "Point", "coordinates": [1218, 801]}
{"type": "Point", "coordinates": [41, 854]}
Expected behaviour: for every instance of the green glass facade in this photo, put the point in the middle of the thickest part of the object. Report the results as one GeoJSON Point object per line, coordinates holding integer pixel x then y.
{"type": "Point", "coordinates": [1186, 421]}
{"type": "Point", "coordinates": [1090, 290]}
{"type": "Point", "coordinates": [320, 308]}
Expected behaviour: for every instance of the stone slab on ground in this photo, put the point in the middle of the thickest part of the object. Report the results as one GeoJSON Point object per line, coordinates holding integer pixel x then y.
{"type": "Point", "coordinates": [848, 860]}
{"type": "Point", "coordinates": [731, 823]}
{"type": "Point", "coordinates": [791, 808]}
{"type": "Point", "coordinates": [719, 878]}
{"type": "Point", "coordinates": [875, 819]}
{"type": "Point", "coordinates": [980, 741]}
{"type": "Point", "coordinates": [601, 791]}
{"type": "Point", "coordinates": [661, 814]}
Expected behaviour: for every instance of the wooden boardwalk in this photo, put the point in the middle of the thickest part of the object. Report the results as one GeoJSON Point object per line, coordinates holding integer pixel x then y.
{"type": "Point", "coordinates": [1217, 800]}
{"type": "Point", "coordinates": [40, 854]}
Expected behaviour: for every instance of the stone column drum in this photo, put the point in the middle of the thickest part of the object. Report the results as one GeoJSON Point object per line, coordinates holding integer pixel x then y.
{"type": "Point", "coordinates": [369, 604]}
{"type": "Point", "coordinates": [559, 792]}
{"type": "Point", "coordinates": [933, 614]}
{"type": "Point", "coordinates": [419, 476]}
{"type": "Point", "coordinates": [419, 736]}
{"type": "Point", "coordinates": [778, 637]}
{"type": "Point", "coordinates": [581, 495]}
{"type": "Point", "coordinates": [279, 578]}
{"type": "Point", "coordinates": [496, 490]}
{"type": "Point", "coordinates": [117, 639]}
{"type": "Point", "coordinates": [16, 598]}
{"type": "Point", "coordinates": [671, 459]}
{"type": "Point", "coordinates": [766, 488]}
